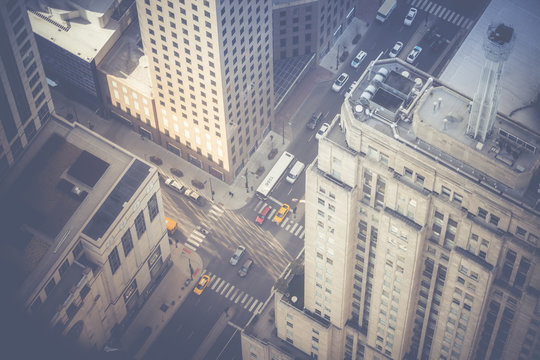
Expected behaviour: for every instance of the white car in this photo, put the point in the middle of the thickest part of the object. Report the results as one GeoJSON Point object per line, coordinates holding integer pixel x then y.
{"type": "Point", "coordinates": [322, 131]}
{"type": "Point", "coordinates": [355, 63]}
{"type": "Point", "coordinates": [173, 184]}
{"type": "Point", "coordinates": [414, 54]}
{"type": "Point", "coordinates": [340, 81]}
{"type": "Point", "coordinates": [237, 255]}
{"type": "Point", "coordinates": [410, 16]}
{"type": "Point", "coordinates": [396, 49]}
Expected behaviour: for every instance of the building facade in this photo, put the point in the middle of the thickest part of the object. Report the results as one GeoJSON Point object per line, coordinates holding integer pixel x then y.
{"type": "Point", "coordinates": [24, 94]}
{"type": "Point", "coordinates": [304, 27]}
{"type": "Point", "coordinates": [421, 242]}
{"type": "Point", "coordinates": [84, 231]}
{"type": "Point", "coordinates": [212, 77]}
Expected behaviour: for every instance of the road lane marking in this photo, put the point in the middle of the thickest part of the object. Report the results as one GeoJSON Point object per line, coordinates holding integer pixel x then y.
{"type": "Point", "coordinates": [228, 292]}
{"type": "Point", "coordinates": [258, 310]}
{"type": "Point", "coordinates": [215, 284]}
{"type": "Point", "coordinates": [225, 288]}
{"type": "Point", "coordinates": [253, 305]}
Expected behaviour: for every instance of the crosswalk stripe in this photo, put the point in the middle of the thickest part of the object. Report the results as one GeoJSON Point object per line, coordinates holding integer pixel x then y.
{"type": "Point", "coordinates": [302, 234]}
{"type": "Point", "coordinates": [260, 206]}
{"type": "Point", "coordinates": [298, 230]}
{"type": "Point", "coordinates": [192, 243]}
{"type": "Point", "coordinates": [215, 283]}
{"type": "Point", "coordinates": [433, 8]}
{"type": "Point", "coordinates": [294, 227]}
{"type": "Point", "coordinates": [259, 307]}
{"type": "Point", "coordinates": [225, 288]}
{"type": "Point", "coordinates": [284, 222]}
{"type": "Point", "coordinates": [445, 14]}
{"type": "Point", "coordinates": [428, 6]}
{"type": "Point", "coordinates": [414, 2]}
{"type": "Point", "coordinates": [247, 303]}
{"type": "Point", "coordinates": [436, 13]}
{"type": "Point", "coordinates": [244, 299]}
{"type": "Point", "coordinates": [195, 239]}
{"type": "Point", "coordinates": [425, 2]}
{"type": "Point", "coordinates": [234, 294]}
{"type": "Point", "coordinates": [190, 246]}
{"type": "Point", "coordinates": [469, 24]}
{"type": "Point", "coordinates": [457, 18]}
{"type": "Point", "coordinates": [212, 276]}
{"type": "Point", "coordinates": [451, 17]}
{"type": "Point", "coordinates": [228, 292]}
{"type": "Point", "coordinates": [253, 305]}
{"type": "Point", "coordinates": [272, 213]}
{"type": "Point", "coordinates": [238, 297]}
{"type": "Point", "coordinates": [219, 287]}
{"type": "Point", "coordinates": [287, 227]}
{"type": "Point", "coordinates": [460, 20]}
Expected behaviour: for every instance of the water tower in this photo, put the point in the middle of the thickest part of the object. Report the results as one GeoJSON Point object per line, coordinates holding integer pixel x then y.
{"type": "Point", "coordinates": [497, 47]}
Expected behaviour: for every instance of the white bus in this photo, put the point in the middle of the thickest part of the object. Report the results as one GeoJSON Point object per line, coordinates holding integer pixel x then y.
{"type": "Point", "coordinates": [385, 10]}
{"type": "Point", "coordinates": [274, 175]}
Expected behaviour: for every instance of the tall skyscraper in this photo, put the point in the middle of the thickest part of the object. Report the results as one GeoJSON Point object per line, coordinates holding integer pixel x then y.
{"type": "Point", "coordinates": [420, 243]}
{"type": "Point", "coordinates": [24, 95]}
{"type": "Point", "coordinates": [212, 77]}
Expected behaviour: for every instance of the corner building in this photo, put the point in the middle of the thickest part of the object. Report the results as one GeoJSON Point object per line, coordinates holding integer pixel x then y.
{"type": "Point", "coordinates": [212, 77]}
{"type": "Point", "coordinates": [421, 242]}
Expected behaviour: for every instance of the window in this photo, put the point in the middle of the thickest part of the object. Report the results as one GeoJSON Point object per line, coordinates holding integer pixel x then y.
{"type": "Point", "coordinates": [457, 198]}
{"type": "Point", "coordinates": [494, 220]}
{"type": "Point", "coordinates": [127, 242]}
{"type": "Point", "coordinates": [153, 209]}
{"type": "Point", "coordinates": [482, 213]}
{"type": "Point", "coordinates": [114, 260]}
{"type": "Point", "coordinates": [445, 192]}
{"type": "Point", "coordinates": [77, 250]}
{"type": "Point", "coordinates": [50, 287]}
{"type": "Point", "coordinates": [419, 180]}
{"type": "Point", "coordinates": [64, 267]}
{"type": "Point", "coordinates": [140, 225]}
{"type": "Point", "coordinates": [408, 173]}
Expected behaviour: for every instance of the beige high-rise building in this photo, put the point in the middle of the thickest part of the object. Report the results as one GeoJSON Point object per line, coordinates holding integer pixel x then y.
{"type": "Point", "coordinates": [421, 242]}
{"type": "Point", "coordinates": [24, 94]}
{"type": "Point", "coordinates": [212, 77]}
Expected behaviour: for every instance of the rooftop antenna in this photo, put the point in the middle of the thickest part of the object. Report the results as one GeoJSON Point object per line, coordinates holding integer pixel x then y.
{"type": "Point", "coordinates": [497, 46]}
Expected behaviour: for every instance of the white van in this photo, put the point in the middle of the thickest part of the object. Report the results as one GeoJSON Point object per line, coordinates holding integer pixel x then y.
{"type": "Point", "coordinates": [295, 172]}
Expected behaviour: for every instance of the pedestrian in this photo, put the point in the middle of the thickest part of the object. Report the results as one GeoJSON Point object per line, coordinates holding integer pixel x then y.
{"type": "Point", "coordinates": [232, 194]}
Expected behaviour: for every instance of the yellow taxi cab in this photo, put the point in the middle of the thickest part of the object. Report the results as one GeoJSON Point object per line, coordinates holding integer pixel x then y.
{"type": "Point", "coordinates": [281, 213]}
{"type": "Point", "coordinates": [202, 284]}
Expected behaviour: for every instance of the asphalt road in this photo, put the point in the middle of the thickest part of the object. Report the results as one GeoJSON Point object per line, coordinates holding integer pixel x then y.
{"type": "Point", "coordinates": [270, 246]}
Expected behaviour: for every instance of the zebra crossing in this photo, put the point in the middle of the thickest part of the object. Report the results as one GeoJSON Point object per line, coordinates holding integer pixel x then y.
{"type": "Point", "coordinates": [215, 212]}
{"type": "Point", "coordinates": [234, 294]}
{"type": "Point", "coordinates": [287, 224]}
{"type": "Point", "coordinates": [196, 238]}
{"type": "Point", "coordinates": [442, 12]}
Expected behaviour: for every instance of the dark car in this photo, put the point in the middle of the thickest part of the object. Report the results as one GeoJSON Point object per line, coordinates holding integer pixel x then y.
{"type": "Point", "coordinates": [312, 123]}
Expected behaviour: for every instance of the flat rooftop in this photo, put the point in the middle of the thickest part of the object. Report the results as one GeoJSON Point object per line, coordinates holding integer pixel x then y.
{"type": "Point", "coordinates": [426, 114]}
{"type": "Point", "coordinates": [81, 27]}
{"type": "Point", "coordinates": [520, 83]}
{"type": "Point", "coordinates": [48, 198]}
{"type": "Point", "coordinates": [127, 61]}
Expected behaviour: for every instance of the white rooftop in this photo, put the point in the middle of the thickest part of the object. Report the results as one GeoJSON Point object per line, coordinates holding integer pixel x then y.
{"type": "Point", "coordinates": [521, 76]}
{"type": "Point", "coordinates": [81, 27]}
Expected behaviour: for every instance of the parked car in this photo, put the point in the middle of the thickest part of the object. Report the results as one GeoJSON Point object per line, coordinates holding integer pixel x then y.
{"type": "Point", "coordinates": [237, 255]}
{"type": "Point", "coordinates": [314, 121]}
{"type": "Point", "coordinates": [340, 81]}
{"type": "Point", "coordinates": [414, 54]}
{"type": "Point", "coordinates": [242, 272]}
{"type": "Point", "coordinates": [281, 213]}
{"type": "Point", "coordinates": [202, 284]}
{"type": "Point", "coordinates": [262, 215]}
{"type": "Point", "coordinates": [175, 185]}
{"type": "Point", "coordinates": [194, 196]}
{"type": "Point", "coordinates": [396, 49]}
{"type": "Point", "coordinates": [355, 63]}
{"type": "Point", "coordinates": [322, 131]}
{"type": "Point", "coordinates": [410, 16]}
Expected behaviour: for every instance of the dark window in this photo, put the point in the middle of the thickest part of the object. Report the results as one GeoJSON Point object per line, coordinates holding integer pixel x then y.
{"type": "Point", "coordinates": [50, 287]}
{"type": "Point", "coordinates": [77, 250]}
{"type": "Point", "coordinates": [64, 267]}
{"type": "Point", "coordinates": [140, 225]}
{"type": "Point", "coordinates": [114, 260]}
{"type": "Point", "coordinates": [127, 242]}
{"type": "Point", "coordinates": [153, 209]}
